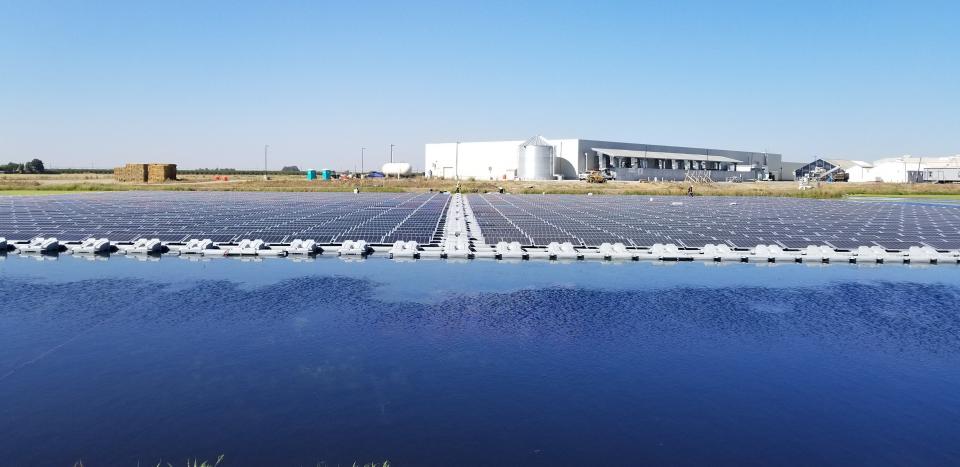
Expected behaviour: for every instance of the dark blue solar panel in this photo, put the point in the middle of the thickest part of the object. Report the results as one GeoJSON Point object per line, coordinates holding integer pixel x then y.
{"type": "Point", "coordinates": [226, 217]}
{"type": "Point", "coordinates": [696, 221]}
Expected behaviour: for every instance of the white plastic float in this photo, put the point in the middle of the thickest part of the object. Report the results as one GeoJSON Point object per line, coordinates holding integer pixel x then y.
{"type": "Point", "coordinates": [302, 247]}
{"type": "Point", "coordinates": [817, 254]}
{"type": "Point", "coordinates": [461, 243]}
{"type": "Point", "coordinates": [484, 251]}
{"type": "Point", "coordinates": [41, 245]}
{"type": "Point", "coordinates": [616, 251]}
{"type": "Point", "coordinates": [403, 249]}
{"type": "Point", "coordinates": [93, 246]}
{"type": "Point", "coordinates": [563, 250]}
{"type": "Point", "coordinates": [195, 247]}
{"type": "Point", "coordinates": [876, 254]}
{"type": "Point", "coordinates": [768, 253]}
{"type": "Point", "coordinates": [870, 254]}
{"type": "Point", "coordinates": [511, 250]}
{"type": "Point", "coordinates": [949, 257]}
{"type": "Point", "coordinates": [257, 247]}
{"type": "Point", "coordinates": [927, 254]}
{"type": "Point", "coordinates": [143, 246]}
{"type": "Point", "coordinates": [721, 252]}
{"type": "Point", "coordinates": [354, 248]}
{"type": "Point", "coordinates": [456, 247]}
{"type": "Point", "coordinates": [666, 252]}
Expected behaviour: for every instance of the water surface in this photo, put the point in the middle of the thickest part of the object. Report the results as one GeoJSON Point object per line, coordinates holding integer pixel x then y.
{"type": "Point", "coordinates": [477, 363]}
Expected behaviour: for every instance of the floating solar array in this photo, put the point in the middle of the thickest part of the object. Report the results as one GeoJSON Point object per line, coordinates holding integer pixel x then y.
{"type": "Point", "coordinates": [378, 218]}
{"type": "Point", "coordinates": [531, 220]}
{"type": "Point", "coordinates": [693, 222]}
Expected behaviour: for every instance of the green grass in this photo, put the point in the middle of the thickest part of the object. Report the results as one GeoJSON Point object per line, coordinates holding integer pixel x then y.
{"type": "Point", "coordinates": [922, 196]}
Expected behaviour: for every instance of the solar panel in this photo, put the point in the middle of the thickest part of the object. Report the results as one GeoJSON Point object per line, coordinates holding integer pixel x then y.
{"type": "Point", "coordinates": [227, 217]}
{"type": "Point", "coordinates": [695, 221]}
{"type": "Point", "coordinates": [532, 220]}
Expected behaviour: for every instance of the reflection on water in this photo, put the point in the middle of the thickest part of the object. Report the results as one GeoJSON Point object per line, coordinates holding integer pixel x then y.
{"type": "Point", "coordinates": [435, 363]}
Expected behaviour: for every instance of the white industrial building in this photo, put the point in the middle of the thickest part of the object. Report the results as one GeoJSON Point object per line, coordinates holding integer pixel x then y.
{"type": "Point", "coordinates": [903, 169]}
{"type": "Point", "coordinates": [545, 159]}
{"type": "Point", "coordinates": [946, 170]}
{"type": "Point", "coordinates": [914, 169]}
{"type": "Point", "coordinates": [895, 170]}
{"type": "Point", "coordinates": [835, 170]}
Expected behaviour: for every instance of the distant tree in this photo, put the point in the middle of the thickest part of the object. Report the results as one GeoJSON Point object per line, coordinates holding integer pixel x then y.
{"type": "Point", "coordinates": [290, 168]}
{"type": "Point", "coordinates": [35, 166]}
{"type": "Point", "coordinates": [9, 167]}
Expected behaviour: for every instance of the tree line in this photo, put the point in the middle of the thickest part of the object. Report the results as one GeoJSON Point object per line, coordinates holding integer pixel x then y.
{"type": "Point", "coordinates": [36, 166]}
{"type": "Point", "coordinates": [33, 167]}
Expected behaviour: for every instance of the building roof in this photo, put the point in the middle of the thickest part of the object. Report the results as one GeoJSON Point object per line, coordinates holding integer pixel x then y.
{"type": "Point", "coordinates": [915, 160]}
{"type": "Point", "coordinates": [951, 162]}
{"type": "Point", "coordinates": [536, 141]}
{"type": "Point", "coordinates": [664, 155]}
{"type": "Point", "coordinates": [847, 164]}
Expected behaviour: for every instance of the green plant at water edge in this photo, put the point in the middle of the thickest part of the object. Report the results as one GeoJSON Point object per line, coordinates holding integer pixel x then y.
{"type": "Point", "coordinates": [190, 463]}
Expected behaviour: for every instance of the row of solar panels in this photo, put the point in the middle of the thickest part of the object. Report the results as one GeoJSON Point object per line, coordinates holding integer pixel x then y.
{"type": "Point", "coordinates": [530, 220]}
{"type": "Point", "coordinates": [694, 222]}
{"type": "Point", "coordinates": [226, 217]}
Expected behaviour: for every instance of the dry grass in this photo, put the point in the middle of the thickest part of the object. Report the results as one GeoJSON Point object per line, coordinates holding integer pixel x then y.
{"type": "Point", "coordinates": [296, 183]}
{"type": "Point", "coordinates": [55, 179]}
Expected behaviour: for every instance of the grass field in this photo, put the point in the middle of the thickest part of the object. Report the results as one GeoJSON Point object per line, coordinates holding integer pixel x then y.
{"type": "Point", "coordinates": [918, 196]}
{"type": "Point", "coordinates": [48, 184]}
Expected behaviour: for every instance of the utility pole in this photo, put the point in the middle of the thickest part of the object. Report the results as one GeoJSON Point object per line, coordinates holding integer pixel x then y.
{"type": "Point", "coordinates": [266, 147]}
{"type": "Point", "coordinates": [456, 162]}
{"type": "Point", "coordinates": [361, 159]}
{"type": "Point", "coordinates": [391, 153]}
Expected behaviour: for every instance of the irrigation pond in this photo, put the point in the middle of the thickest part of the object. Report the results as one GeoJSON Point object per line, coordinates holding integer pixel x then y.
{"type": "Point", "coordinates": [280, 362]}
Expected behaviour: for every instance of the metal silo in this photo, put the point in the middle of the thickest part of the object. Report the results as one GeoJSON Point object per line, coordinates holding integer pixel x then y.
{"type": "Point", "coordinates": [537, 160]}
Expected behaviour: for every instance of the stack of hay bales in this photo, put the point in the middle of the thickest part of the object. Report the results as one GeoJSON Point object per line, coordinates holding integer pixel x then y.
{"type": "Point", "coordinates": [145, 173]}
{"type": "Point", "coordinates": [159, 173]}
{"type": "Point", "coordinates": [136, 173]}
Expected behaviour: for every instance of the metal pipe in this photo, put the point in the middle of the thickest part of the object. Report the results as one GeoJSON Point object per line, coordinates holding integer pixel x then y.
{"type": "Point", "coordinates": [265, 148]}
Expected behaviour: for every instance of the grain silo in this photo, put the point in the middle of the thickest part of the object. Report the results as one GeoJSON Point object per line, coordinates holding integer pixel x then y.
{"type": "Point", "coordinates": [536, 160]}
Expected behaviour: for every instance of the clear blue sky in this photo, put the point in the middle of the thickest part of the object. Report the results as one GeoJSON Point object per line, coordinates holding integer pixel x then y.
{"type": "Point", "coordinates": [207, 84]}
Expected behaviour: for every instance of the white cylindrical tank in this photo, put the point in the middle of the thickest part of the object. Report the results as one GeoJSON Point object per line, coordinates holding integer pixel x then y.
{"type": "Point", "coordinates": [396, 168]}
{"type": "Point", "coordinates": [536, 162]}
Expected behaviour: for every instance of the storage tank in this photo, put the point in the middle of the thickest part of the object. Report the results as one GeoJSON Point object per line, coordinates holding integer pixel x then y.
{"type": "Point", "coordinates": [396, 168]}
{"type": "Point", "coordinates": [536, 160]}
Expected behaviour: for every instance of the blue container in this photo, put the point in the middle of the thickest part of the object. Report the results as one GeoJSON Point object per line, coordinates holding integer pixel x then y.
{"type": "Point", "coordinates": [311, 175]}
{"type": "Point", "coordinates": [326, 174]}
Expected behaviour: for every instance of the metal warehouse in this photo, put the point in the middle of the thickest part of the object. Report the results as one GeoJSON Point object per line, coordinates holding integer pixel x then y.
{"type": "Point", "coordinates": [903, 169]}
{"type": "Point", "coordinates": [540, 158]}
